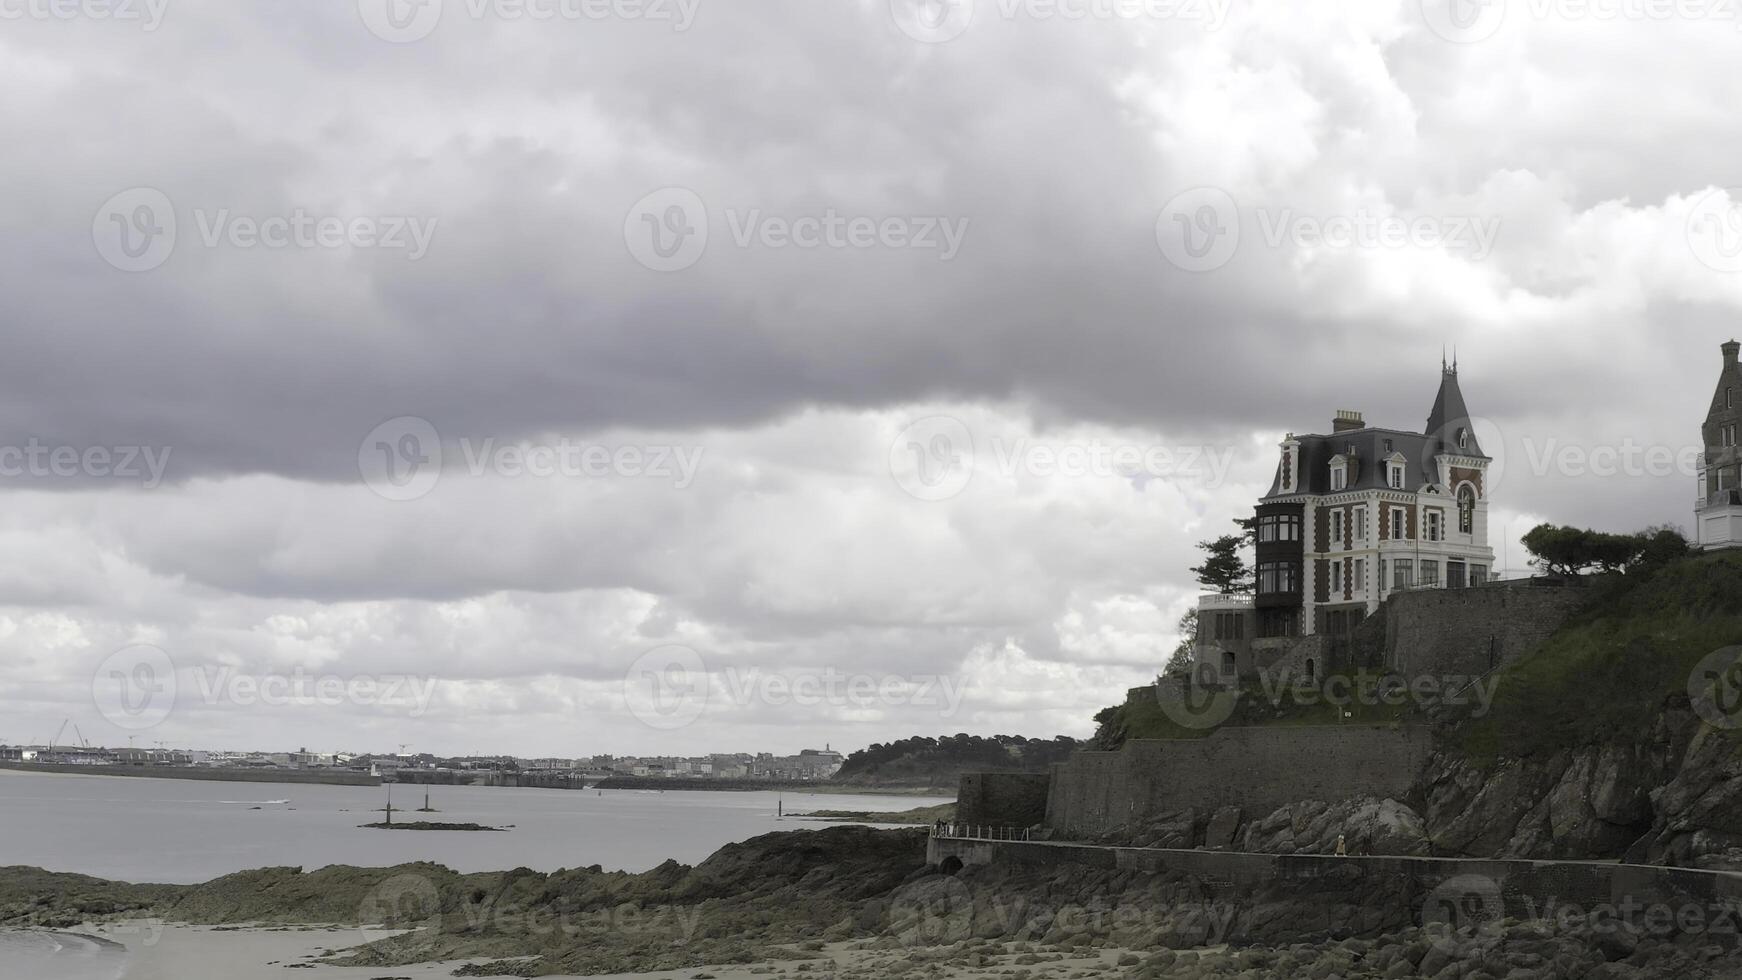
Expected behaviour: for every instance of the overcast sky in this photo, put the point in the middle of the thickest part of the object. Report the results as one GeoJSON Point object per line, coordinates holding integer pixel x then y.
{"type": "Point", "coordinates": [880, 362]}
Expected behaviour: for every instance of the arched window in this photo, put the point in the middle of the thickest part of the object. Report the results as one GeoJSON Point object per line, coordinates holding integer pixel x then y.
{"type": "Point", "coordinates": [1228, 666]}
{"type": "Point", "coordinates": [1463, 438]}
{"type": "Point", "coordinates": [1310, 677]}
{"type": "Point", "coordinates": [1466, 510]}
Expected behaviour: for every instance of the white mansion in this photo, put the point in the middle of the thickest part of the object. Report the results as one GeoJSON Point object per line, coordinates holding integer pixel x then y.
{"type": "Point", "coordinates": [1351, 517]}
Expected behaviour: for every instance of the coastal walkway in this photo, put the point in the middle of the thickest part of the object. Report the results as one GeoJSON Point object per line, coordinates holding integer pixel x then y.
{"type": "Point", "coordinates": [1448, 887]}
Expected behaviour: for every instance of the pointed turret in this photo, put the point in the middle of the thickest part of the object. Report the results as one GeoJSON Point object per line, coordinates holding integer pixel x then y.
{"type": "Point", "coordinates": [1448, 424]}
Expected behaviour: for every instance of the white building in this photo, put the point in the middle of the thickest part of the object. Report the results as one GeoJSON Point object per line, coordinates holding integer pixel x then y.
{"type": "Point", "coordinates": [1718, 508]}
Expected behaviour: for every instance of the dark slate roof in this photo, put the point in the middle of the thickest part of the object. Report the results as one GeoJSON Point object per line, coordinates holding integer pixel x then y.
{"type": "Point", "coordinates": [1448, 416]}
{"type": "Point", "coordinates": [1369, 444]}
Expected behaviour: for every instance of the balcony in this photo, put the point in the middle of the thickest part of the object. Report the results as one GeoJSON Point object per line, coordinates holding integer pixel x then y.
{"type": "Point", "coordinates": [1217, 600]}
{"type": "Point", "coordinates": [1721, 498]}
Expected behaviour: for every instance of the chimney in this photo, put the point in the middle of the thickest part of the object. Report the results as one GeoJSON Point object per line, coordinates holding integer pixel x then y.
{"type": "Point", "coordinates": [1347, 421]}
{"type": "Point", "coordinates": [1730, 350]}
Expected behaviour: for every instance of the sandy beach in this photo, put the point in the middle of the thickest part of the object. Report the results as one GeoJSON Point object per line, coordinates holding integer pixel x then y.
{"type": "Point", "coordinates": [173, 952]}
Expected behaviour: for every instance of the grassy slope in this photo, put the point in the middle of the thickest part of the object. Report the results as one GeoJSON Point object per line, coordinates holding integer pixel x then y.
{"type": "Point", "coordinates": [1606, 674]}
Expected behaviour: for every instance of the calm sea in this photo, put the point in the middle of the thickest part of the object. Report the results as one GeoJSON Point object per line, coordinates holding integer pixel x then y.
{"type": "Point", "coordinates": [183, 831]}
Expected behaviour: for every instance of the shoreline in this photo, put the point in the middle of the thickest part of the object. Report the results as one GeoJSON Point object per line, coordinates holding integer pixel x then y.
{"type": "Point", "coordinates": [846, 902]}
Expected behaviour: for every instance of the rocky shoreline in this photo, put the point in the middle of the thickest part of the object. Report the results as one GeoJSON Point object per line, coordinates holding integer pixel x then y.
{"type": "Point", "coordinates": [861, 903]}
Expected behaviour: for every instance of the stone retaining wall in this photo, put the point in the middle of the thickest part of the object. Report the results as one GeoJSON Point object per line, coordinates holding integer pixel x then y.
{"type": "Point", "coordinates": [1258, 769]}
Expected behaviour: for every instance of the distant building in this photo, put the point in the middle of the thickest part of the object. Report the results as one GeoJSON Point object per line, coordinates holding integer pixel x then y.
{"type": "Point", "coordinates": [1350, 518]}
{"type": "Point", "coordinates": [1718, 508]}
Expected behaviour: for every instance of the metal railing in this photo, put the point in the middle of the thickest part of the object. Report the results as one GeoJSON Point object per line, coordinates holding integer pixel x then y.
{"type": "Point", "coordinates": [964, 831]}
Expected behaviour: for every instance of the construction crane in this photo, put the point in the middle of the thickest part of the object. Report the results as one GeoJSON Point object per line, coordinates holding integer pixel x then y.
{"type": "Point", "coordinates": [58, 732]}
{"type": "Point", "coordinates": [81, 735]}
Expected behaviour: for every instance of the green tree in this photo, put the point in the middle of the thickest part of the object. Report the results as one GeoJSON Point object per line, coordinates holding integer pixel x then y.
{"type": "Point", "coordinates": [1224, 568]}
{"type": "Point", "coordinates": [1180, 664]}
{"type": "Point", "coordinates": [1571, 551]}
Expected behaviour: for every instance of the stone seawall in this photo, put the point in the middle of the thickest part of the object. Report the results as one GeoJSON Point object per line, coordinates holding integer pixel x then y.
{"type": "Point", "coordinates": [1444, 889]}
{"type": "Point", "coordinates": [1009, 799]}
{"type": "Point", "coordinates": [1468, 632]}
{"type": "Point", "coordinates": [1258, 769]}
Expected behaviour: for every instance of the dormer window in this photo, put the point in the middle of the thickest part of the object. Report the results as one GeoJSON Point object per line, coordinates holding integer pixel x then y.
{"type": "Point", "coordinates": [1394, 471]}
{"type": "Point", "coordinates": [1463, 438]}
{"type": "Point", "coordinates": [1339, 473]}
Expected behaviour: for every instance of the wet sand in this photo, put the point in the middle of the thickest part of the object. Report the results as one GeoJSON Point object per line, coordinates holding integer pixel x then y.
{"type": "Point", "coordinates": [169, 952]}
